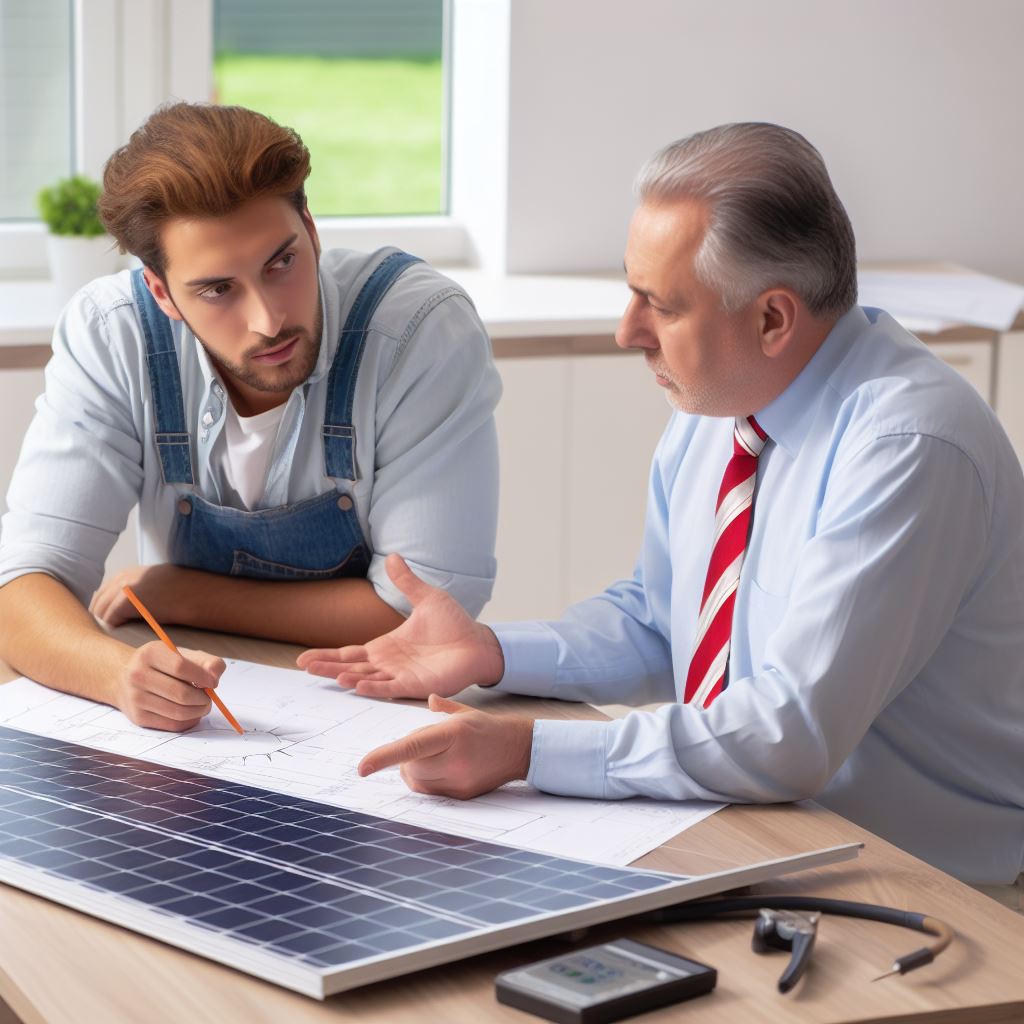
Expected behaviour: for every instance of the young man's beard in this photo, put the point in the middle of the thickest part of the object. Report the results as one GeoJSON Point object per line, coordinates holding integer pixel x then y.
{"type": "Point", "coordinates": [271, 378]}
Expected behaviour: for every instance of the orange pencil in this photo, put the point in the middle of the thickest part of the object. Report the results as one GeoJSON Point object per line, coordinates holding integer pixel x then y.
{"type": "Point", "coordinates": [156, 627]}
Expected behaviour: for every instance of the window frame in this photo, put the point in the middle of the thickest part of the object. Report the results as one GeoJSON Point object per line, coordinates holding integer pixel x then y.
{"type": "Point", "coordinates": [164, 48]}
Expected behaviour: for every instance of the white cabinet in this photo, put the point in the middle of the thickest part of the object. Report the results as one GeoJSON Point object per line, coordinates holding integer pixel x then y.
{"type": "Point", "coordinates": [532, 436]}
{"type": "Point", "coordinates": [973, 360]}
{"type": "Point", "coordinates": [18, 391]}
{"type": "Point", "coordinates": [616, 416]}
{"type": "Point", "coordinates": [1009, 395]}
{"type": "Point", "coordinates": [576, 435]}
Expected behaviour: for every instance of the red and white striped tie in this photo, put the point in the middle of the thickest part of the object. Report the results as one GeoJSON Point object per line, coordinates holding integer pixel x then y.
{"type": "Point", "coordinates": [706, 677]}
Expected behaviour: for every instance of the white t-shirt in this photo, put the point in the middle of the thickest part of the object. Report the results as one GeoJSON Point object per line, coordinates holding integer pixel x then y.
{"type": "Point", "coordinates": [242, 457]}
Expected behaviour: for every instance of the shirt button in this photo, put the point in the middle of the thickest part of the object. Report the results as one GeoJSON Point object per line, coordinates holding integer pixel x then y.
{"type": "Point", "coordinates": [218, 390]}
{"type": "Point", "coordinates": [345, 503]}
{"type": "Point", "coordinates": [185, 507]}
{"type": "Point", "coordinates": [208, 419]}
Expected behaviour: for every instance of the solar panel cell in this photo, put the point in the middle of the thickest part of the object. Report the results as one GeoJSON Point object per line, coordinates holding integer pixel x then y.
{"type": "Point", "coordinates": [316, 897]}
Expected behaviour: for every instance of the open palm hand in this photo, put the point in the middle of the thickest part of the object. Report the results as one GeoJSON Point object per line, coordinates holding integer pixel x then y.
{"type": "Point", "coordinates": [438, 649]}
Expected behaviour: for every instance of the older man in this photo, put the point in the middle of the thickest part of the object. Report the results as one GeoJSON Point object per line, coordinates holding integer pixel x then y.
{"type": "Point", "coordinates": [830, 592]}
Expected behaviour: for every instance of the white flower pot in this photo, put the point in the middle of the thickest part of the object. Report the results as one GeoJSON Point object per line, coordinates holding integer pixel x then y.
{"type": "Point", "coordinates": [75, 261]}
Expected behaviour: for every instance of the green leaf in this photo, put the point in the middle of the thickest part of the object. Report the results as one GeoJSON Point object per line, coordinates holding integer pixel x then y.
{"type": "Point", "coordinates": [69, 207]}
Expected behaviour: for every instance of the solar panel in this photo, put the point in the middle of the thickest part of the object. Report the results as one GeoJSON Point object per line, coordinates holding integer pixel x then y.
{"type": "Point", "coordinates": [312, 897]}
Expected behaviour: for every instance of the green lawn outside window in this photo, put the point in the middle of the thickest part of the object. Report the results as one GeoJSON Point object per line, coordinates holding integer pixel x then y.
{"type": "Point", "coordinates": [372, 125]}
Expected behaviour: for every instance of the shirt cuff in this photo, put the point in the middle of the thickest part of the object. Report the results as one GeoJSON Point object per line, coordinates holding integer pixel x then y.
{"type": "Point", "coordinates": [568, 758]}
{"type": "Point", "coordinates": [531, 658]}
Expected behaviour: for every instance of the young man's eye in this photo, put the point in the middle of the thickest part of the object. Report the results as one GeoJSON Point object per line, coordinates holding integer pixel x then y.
{"type": "Point", "coordinates": [215, 291]}
{"type": "Point", "coordinates": [284, 262]}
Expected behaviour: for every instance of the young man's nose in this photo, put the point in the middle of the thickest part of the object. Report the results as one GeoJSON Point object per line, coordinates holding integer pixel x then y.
{"type": "Point", "coordinates": [263, 316]}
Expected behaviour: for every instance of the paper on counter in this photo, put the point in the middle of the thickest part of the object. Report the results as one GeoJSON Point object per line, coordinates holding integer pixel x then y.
{"type": "Point", "coordinates": [304, 736]}
{"type": "Point", "coordinates": [942, 299]}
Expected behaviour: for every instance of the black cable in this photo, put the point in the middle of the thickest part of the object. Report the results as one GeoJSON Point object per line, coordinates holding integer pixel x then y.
{"type": "Point", "coordinates": [702, 910]}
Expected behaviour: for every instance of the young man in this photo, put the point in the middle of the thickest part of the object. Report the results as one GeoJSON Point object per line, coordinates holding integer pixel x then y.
{"type": "Point", "coordinates": [281, 419]}
{"type": "Point", "coordinates": [871, 651]}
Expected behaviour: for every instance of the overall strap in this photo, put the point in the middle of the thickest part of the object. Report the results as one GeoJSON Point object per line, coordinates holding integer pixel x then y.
{"type": "Point", "coordinates": [172, 439]}
{"type": "Point", "coordinates": [339, 432]}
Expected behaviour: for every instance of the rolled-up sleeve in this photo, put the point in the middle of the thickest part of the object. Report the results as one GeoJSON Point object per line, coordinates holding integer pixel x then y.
{"type": "Point", "coordinates": [435, 491]}
{"type": "Point", "coordinates": [80, 469]}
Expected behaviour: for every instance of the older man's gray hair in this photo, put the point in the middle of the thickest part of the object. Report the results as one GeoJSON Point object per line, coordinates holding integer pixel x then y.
{"type": "Point", "coordinates": [775, 218]}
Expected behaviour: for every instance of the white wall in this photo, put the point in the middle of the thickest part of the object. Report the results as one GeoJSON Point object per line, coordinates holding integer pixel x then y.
{"type": "Point", "coordinates": [915, 105]}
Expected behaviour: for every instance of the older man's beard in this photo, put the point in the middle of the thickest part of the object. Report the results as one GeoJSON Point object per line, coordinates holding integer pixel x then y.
{"type": "Point", "coordinates": [689, 400]}
{"type": "Point", "coordinates": [706, 397]}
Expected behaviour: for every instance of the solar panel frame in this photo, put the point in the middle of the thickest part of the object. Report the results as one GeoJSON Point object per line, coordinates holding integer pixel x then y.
{"type": "Point", "coordinates": [311, 896]}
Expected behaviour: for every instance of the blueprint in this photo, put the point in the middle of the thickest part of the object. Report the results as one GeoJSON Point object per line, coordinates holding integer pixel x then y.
{"type": "Point", "coordinates": [304, 736]}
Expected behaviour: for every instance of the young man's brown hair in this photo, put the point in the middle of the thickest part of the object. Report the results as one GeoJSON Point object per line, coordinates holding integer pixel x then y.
{"type": "Point", "coordinates": [197, 160]}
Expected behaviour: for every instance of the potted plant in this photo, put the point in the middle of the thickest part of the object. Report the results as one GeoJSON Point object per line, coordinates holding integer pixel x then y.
{"type": "Point", "coordinates": [79, 248]}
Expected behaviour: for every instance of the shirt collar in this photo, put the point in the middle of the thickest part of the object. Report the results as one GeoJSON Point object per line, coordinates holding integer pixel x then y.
{"type": "Point", "coordinates": [326, 355]}
{"type": "Point", "coordinates": [787, 418]}
{"type": "Point", "coordinates": [206, 368]}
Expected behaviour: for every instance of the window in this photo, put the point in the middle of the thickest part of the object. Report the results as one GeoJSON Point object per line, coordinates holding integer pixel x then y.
{"type": "Point", "coordinates": [35, 101]}
{"type": "Point", "coordinates": [78, 76]}
{"type": "Point", "coordinates": [362, 83]}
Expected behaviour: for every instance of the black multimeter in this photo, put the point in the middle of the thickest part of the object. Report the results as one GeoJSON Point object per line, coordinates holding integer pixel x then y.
{"type": "Point", "coordinates": [603, 983]}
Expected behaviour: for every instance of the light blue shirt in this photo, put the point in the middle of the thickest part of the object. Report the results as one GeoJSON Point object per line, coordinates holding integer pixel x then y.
{"type": "Point", "coordinates": [877, 658]}
{"type": "Point", "coordinates": [426, 446]}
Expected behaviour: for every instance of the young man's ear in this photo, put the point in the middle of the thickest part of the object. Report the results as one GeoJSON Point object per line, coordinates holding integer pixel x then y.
{"type": "Point", "coordinates": [161, 295]}
{"type": "Point", "coordinates": [307, 219]}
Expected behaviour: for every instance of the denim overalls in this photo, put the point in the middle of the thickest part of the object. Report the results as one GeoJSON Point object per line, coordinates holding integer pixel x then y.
{"type": "Point", "coordinates": [318, 538]}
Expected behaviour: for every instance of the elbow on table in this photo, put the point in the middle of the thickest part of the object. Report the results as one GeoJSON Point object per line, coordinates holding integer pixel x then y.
{"type": "Point", "coordinates": [801, 774]}
{"type": "Point", "coordinates": [790, 761]}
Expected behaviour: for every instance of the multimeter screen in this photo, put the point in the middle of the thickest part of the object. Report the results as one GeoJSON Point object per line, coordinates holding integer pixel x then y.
{"type": "Point", "coordinates": [604, 983]}
{"type": "Point", "coordinates": [592, 975]}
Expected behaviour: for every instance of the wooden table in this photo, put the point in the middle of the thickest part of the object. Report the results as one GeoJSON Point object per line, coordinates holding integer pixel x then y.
{"type": "Point", "coordinates": [58, 966]}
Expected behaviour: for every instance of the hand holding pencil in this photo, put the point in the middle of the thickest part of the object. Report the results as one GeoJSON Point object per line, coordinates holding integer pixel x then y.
{"type": "Point", "coordinates": [158, 629]}
{"type": "Point", "coordinates": [166, 688]}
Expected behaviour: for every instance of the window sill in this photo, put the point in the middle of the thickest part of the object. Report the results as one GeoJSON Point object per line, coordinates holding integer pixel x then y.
{"type": "Point", "coordinates": [525, 314]}
{"type": "Point", "coordinates": [439, 239]}
{"type": "Point", "coordinates": [511, 306]}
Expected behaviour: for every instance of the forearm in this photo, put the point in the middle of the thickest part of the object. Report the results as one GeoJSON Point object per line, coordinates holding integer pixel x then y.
{"type": "Point", "coordinates": [46, 634]}
{"type": "Point", "coordinates": [601, 651]}
{"type": "Point", "coordinates": [681, 752]}
{"type": "Point", "coordinates": [317, 613]}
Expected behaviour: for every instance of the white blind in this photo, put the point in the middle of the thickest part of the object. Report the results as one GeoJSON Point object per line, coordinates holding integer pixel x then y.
{"type": "Point", "coordinates": [35, 101]}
